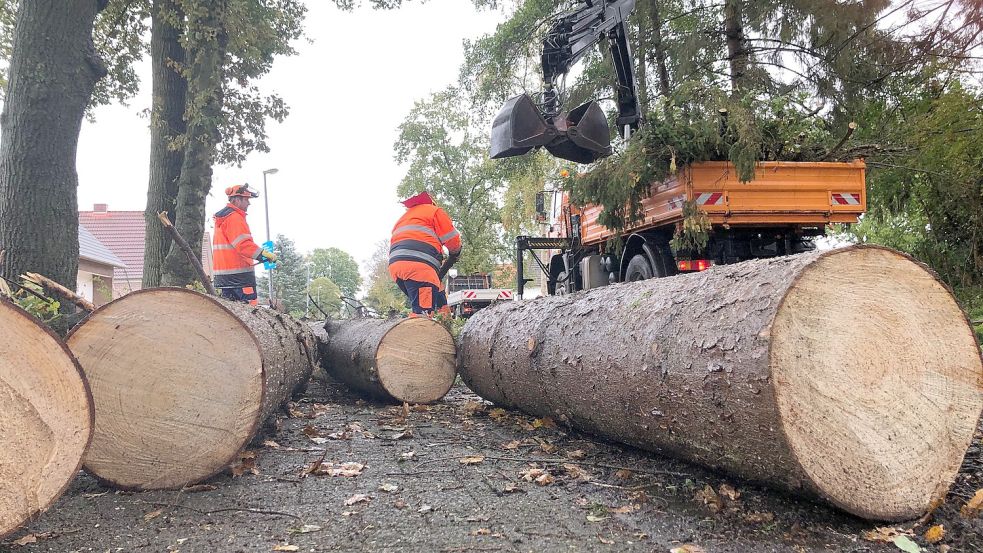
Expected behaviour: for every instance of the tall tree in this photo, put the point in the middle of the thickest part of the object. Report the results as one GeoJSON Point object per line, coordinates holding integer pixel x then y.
{"type": "Point", "coordinates": [337, 265]}
{"type": "Point", "coordinates": [167, 124]}
{"type": "Point", "coordinates": [53, 71]}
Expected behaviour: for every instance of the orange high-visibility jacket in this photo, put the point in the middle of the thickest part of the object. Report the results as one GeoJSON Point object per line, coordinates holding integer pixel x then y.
{"type": "Point", "coordinates": [233, 250]}
{"type": "Point", "coordinates": [414, 252]}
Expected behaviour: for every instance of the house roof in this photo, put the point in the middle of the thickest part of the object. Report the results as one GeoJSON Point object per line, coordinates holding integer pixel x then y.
{"type": "Point", "coordinates": [91, 249]}
{"type": "Point", "coordinates": [123, 233]}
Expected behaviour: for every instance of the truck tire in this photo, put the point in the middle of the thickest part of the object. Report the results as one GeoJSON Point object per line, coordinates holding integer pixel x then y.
{"type": "Point", "coordinates": [639, 268]}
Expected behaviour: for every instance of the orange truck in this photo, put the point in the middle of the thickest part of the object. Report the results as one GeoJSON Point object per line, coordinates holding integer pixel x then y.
{"type": "Point", "coordinates": [780, 212]}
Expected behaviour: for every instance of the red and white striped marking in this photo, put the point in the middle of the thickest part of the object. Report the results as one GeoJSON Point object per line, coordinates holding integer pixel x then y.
{"type": "Point", "coordinates": [676, 203]}
{"type": "Point", "coordinates": [845, 198]}
{"type": "Point", "coordinates": [505, 295]}
{"type": "Point", "coordinates": [470, 294]}
{"type": "Point", "coordinates": [710, 198]}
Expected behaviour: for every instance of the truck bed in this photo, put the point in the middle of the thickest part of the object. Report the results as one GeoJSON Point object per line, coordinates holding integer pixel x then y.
{"type": "Point", "coordinates": [782, 192]}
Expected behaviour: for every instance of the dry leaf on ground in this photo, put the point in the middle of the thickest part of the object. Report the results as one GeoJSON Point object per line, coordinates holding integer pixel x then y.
{"type": "Point", "coordinates": [320, 468]}
{"type": "Point", "coordinates": [285, 547]}
{"type": "Point", "coordinates": [357, 498]}
{"type": "Point", "coordinates": [246, 463]}
{"type": "Point", "coordinates": [153, 514]}
{"type": "Point", "coordinates": [709, 498]}
{"type": "Point", "coordinates": [388, 487]}
{"type": "Point", "coordinates": [624, 474]}
{"type": "Point", "coordinates": [271, 444]}
{"type": "Point", "coordinates": [498, 413]}
{"type": "Point", "coordinates": [481, 532]}
{"type": "Point", "coordinates": [624, 510]}
{"type": "Point", "coordinates": [305, 529]}
{"type": "Point", "coordinates": [974, 506]}
{"type": "Point", "coordinates": [514, 444]}
{"type": "Point", "coordinates": [605, 541]}
{"type": "Point", "coordinates": [472, 459]}
{"type": "Point", "coordinates": [577, 454]}
{"type": "Point", "coordinates": [31, 538]}
{"type": "Point", "coordinates": [759, 517]}
{"type": "Point", "coordinates": [576, 472]}
{"type": "Point", "coordinates": [935, 534]}
{"type": "Point", "coordinates": [511, 487]}
{"type": "Point", "coordinates": [883, 534]}
{"type": "Point", "coordinates": [544, 422]}
{"type": "Point", "coordinates": [312, 431]}
{"type": "Point", "coordinates": [295, 412]}
{"type": "Point", "coordinates": [537, 475]}
{"type": "Point", "coordinates": [687, 548]}
{"type": "Point", "coordinates": [728, 491]}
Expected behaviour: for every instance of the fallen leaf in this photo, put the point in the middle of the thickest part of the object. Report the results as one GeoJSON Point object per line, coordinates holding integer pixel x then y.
{"type": "Point", "coordinates": [305, 529]}
{"type": "Point", "coordinates": [311, 431]}
{"type": "Point", "coordinates": [285, 547]}
{"type": "Point", "coordinates": [605, 541]}
{"type": "Point", "coordinates": [388, 487]}
{"type": "Point", "coordinates": [153, 514]}
{"type": "Point", "coordinates": [319, 441]}
{"type": "Point", "coordinates": [472, 460]}
{"type": "Point", "coordinates": [472, 408]}
{"type": "Point", "coordinates": [498, 413]}
{"type": "Point", "coordinates": [883, 534]}
{"type": "Point", "coordinates": [596, 518]}
{"type": "Point", "coordinates": [340, 435]}
{"type": "Point", "coordinates": [320, 468]}
{"type": "Point", "coordinates": [357, 498]}
{"type": "Point", "coordinates": [687, 548]}
{"type": "Point", "coordinates": [28, 539]}
{"type": "Point", "coordinates": [198, 488]}
{"type": "Point", "coordinates": [710, 498]}
{"type": "Point", "coordinates": [577, 454]}
{"type": "Point", "coordinates": [481, 532]}
{"type": "Point", "coordinates": [974, 506]}
{"type": "Point", "coordinates": [318, 409]}
{"type": "Point", "coordinates": [624, 474]}
{"type": "Point", "coordinates": [625, 509]}
{"type": "Point", "coordinates": [759, 517]}
{"type": "Point", "coordinates": [271, 444]}
{"type": "Point", "coordinates": [425, 509]}
{"type": "Point", "coordinates": [294, 412]}
{"type": "Point", "coordinates": [514, 444]}
{"type": "Point", "coordinates": [935, 534]}
{"type": "Point", "coordinates": [544, 480]}
{"type": "Point", "coordinates": [406, 456]}
{"type": "Point", "coordinates": [530, 475]}
{"type": "Point", "coordinates": [548, 447]}
{"type": "Point", "coordinates": [511, 487]}
{"type": "Point", "coordinates": [544, 422]}
{"type": "Point", "coordinates": [729, 492]}
{"type": "Point", "coordinates": [246, 463]}
{"type": "Point", "coordinates": [576, 472]}
{"type": "Point", "coordinates": [906, 544]}
{"type": "Point", "coordinates": [420, 408]}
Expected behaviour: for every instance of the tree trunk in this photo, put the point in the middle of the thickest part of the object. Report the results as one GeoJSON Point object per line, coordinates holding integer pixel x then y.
{"type": "Point", "coordinates": [737, 55]}
{"type": "Point", "coordinates": [166, 126]}
{"type": "Point", "coordinates": [401, 360]}
{"type": "Point", "coordinates": [182, 381]}
{"type": "Point", "coordinates": [45, 417]}
{"type": "Point", "coordinates": [53, 69]}
{"type": "Point", "coordinates": [851, 375]}
{"type": "Point", "coordinates": [204, 113]}
{"type": "Point", "coordinates": [659, 49]}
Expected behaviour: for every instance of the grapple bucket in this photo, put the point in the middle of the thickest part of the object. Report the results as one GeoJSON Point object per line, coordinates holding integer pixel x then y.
{"type": "Point", "coordinates": [584, 135]}
{"type": "Point", "coordinates": [518, 128]}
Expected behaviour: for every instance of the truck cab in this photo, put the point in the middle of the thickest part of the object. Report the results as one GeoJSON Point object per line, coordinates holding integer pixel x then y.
{"type": "Point", "coordinates": [781, 211]}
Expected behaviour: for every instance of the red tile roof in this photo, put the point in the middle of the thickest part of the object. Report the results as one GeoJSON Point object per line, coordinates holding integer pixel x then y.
{"type": "Point", "coordinates": [123, 232]}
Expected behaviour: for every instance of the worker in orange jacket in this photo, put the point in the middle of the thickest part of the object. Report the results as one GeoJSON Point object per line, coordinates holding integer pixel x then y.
{"type": "Point", "coordinates": [416, 256]}
{"type": "Point", "coordinates": [234, 253]}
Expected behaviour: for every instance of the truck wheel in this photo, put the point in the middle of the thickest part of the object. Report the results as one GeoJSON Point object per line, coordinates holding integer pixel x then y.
{"type": "Point", "coordinates": [638, 269]}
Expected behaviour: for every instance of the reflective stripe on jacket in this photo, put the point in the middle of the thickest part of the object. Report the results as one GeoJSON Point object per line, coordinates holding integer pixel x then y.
{"type": "Point", "coordinates": [233, 250]}
{"type": "Point", "coordinates": [415, 248]}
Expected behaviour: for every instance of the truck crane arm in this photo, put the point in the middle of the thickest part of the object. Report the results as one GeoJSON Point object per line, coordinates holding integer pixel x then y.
{"type": "Point", "coordinates": [582, 135]}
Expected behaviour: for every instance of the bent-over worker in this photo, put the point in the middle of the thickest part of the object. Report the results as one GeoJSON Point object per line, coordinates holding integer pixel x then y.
{"type": "Point", "coordinates": [415, 253]}
{"type": "Point", "coordinates": [234, 253]}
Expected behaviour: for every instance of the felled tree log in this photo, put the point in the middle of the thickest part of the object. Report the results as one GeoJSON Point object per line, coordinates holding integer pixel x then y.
{"type": "Point", "coordinates": [851, 375]}
{"type": "Point", "coordinates": [401, 360]}
{"type": "Point", "coordinates": [45, 417]}
{"type": "Point", "coordinates": [182, 382]}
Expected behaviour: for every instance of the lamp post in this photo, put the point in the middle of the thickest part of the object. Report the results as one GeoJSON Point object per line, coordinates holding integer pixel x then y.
{"type": "Point", "coordinates": [307, 300]}
{"type": "Point", "coordinates": [266, 210]}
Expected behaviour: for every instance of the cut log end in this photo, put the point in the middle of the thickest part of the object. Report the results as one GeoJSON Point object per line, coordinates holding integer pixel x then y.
{"type": "Point", "coordinates": [877, 380]}
{"type": "Point", "coordinates": [45, 418]}
{"type": "Point", "coordinates": [178, 384]}
{"type": "Point", "coordinates": [416, 361]}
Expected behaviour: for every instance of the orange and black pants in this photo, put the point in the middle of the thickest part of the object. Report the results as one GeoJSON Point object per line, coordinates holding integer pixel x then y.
{"type": "Point", "coordinates": [238, 287]}
{"type": "Point", "coordinates": [425, 298]}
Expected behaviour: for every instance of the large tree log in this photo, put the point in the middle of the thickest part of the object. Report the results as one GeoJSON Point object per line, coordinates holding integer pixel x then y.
{"type": "Point", "coordinates": [402, 360]}
{"type": "Point", "coordinates": [45, 417]}
{"type": "Point", "coordinates": [851, 374]}
{"type": "Point", "coordinates": [182, 381]}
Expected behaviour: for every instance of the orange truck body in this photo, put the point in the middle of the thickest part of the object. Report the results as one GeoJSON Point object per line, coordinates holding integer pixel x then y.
{"type": "Point", "coordinates": [782, 193]}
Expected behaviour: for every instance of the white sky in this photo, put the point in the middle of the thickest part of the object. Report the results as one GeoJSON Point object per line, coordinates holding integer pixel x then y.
{"type": "Point", "coordinates": [347, 92]}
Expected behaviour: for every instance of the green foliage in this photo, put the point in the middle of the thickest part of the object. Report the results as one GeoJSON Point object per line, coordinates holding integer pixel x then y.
{"type": "Point", "coordinates": [289, 277]}
{"type": "Point", "coordinates": [971, 299]}
{"type": "Point", "coordinates": [383, 295]}
{"type": "Point", "coordinates": [326, 294]}
{"type": "Point", "coordinates": [338, 266]}
{"type": "Point", "coordinates": [694, 234]}
{"type": "Point", "coordinates": [45, 310]}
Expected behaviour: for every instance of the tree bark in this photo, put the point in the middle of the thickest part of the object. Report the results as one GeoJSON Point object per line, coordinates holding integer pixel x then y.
{"type": "Point", "coordinates": [46, 417]}
{"type": "Point", "coordinates": [737, 55]}
{"type": "Point", "coordinates": [850, 375]}
{"type": "Point", "coordinates": [182, 381]}
{"type": "Point", "coordinates": [53, 70]}
{"type": "Point", "coordinates": [204, 113]}
{"type": "Point", "coordinates": [399, 360]}
{"type": "Point", "coordinates": [166, 126]}
{"type": "Point", "coordinates": [659, 48]}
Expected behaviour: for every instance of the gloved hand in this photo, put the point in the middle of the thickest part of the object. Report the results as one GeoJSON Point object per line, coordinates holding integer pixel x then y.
{"type": "Point", "coordinates": [268, 256]}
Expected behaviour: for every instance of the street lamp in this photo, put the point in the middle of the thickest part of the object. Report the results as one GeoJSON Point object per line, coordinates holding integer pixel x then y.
{"type": "Point", "coordinates": [266, 209]}
{"type": "Point", "coordinates": [307, 300]}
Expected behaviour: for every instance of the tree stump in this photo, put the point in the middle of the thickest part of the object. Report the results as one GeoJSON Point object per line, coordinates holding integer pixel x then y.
{"type": "Point", "coordinates": [182, 382]}
{"type": "Point", "coordinates": [396, 360]}
{"type": "Point", "coordinates": [851, 375]}
{"type": "Point", "coordinates": [45, 417]}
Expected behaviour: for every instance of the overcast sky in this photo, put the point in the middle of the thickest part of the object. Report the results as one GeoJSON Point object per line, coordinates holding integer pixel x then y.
{"type": "Point", "coordinates": [347, 92]}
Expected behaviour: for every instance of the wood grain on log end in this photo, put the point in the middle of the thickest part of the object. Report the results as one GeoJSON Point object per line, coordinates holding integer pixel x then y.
{"type": "Point", "coordinates": [46, 417]}
{"type": "Point", "coordinates": [181, 382]}
{"type": "Point", "coordinates": [417, 361]}
{"type": "Point", "coordinates": [877, 377]}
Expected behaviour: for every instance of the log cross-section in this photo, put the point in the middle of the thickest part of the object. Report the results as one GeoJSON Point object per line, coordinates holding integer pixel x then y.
{"type": "Point", "coordinates": [851, 375]}
{"type": "Point", "coordinates": [182, 381]}
{"type": "Point", "coordinates": [46, 417]}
